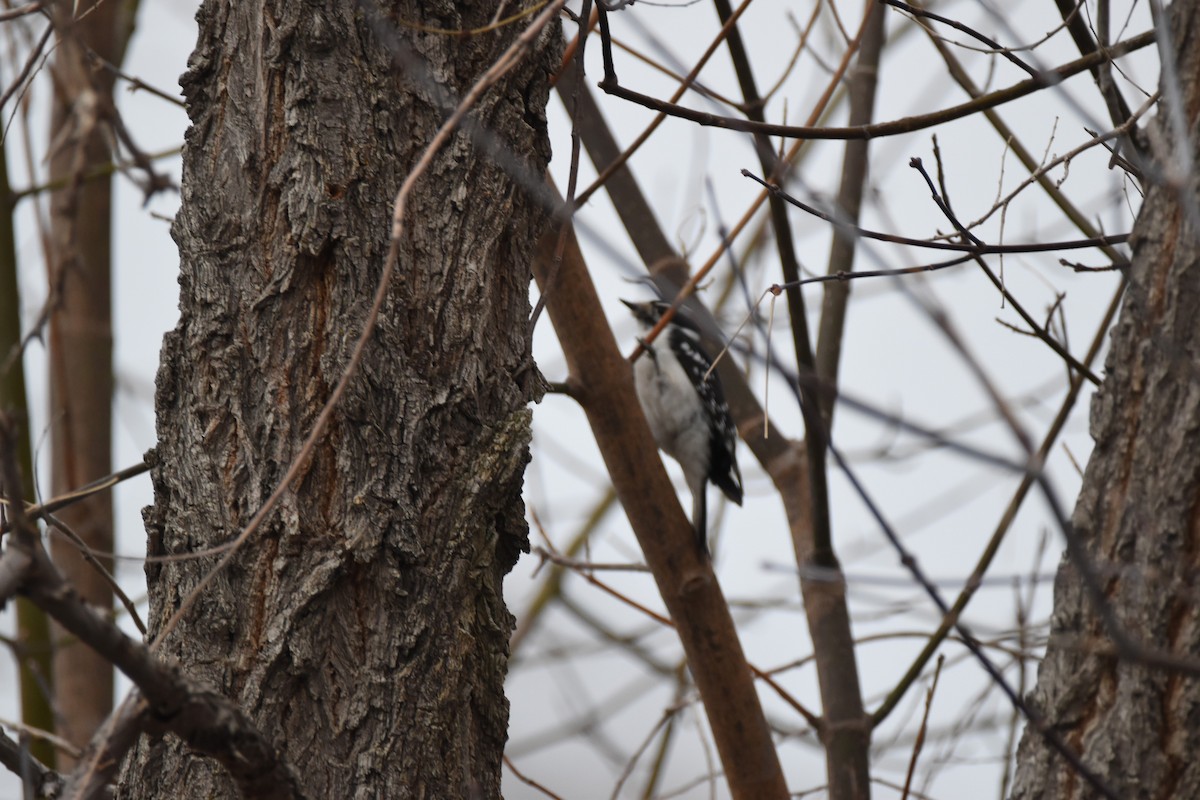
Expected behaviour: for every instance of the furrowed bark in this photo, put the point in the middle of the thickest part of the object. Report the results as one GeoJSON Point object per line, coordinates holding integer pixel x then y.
{"type": "Point", "coordinates": [362, 627]}
{"type": "Point", "coordinates": [1138, 515]}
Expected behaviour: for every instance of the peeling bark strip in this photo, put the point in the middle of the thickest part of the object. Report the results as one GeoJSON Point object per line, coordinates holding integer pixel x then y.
{"type": "Point", "coordinates": [362, 629]}
{"type": "Point", "coordinates": [1139, 512]}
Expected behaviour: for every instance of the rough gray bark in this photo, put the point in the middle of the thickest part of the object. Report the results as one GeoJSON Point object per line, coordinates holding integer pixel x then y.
{"type": "Point", "coordinates": [362, 627]}
{"type": "Point", "coordinates": [1138, 515]}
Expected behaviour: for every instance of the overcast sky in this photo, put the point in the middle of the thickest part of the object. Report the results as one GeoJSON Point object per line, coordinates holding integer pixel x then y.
{"type": "Point", "coordinates": [895, 360]}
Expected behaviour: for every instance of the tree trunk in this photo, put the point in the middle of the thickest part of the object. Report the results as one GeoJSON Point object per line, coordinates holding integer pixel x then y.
{"type": "Point", "coordinates": [81, 376]}
{"type": "Point", "coordinates": [362, 627]}
{"type": "Point", "coordinates": [31, 644]}
{"type": "Point", "coordinates": [1138, 516]}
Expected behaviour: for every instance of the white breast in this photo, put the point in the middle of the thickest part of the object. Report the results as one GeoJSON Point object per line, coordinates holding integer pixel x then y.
{"type": "Point", "coordinates": [673, 409]}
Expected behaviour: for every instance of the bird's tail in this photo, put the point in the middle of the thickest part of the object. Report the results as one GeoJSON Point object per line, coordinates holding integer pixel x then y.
{"type": "Point", "coordinates": [700, 516]}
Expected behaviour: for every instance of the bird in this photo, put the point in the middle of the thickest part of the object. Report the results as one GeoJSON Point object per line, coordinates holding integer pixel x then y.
{"type": "Point", "coordinates": [685, 408]}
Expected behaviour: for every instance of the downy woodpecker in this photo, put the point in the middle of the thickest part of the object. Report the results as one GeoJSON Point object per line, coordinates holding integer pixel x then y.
{"type": "Point", "coordinates": [687, 412]}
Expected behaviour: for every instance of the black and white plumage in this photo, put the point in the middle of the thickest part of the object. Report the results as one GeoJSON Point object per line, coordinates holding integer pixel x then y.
{"type": "Point", "coordinates": [686, 411]}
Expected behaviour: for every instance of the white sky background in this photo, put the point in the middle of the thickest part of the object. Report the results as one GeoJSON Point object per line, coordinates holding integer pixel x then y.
{"type": "Point", "coordinates": [944, 505]}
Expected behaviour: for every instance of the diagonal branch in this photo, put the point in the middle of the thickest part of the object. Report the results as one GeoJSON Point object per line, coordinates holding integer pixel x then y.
{"type": "Point", "coordinates": [39, 780]}
{"type": "Point", "coordinates": [602, 383]}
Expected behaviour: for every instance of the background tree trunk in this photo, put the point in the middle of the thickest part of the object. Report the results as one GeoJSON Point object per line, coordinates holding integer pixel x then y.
{"type": "Point", "coordinates": [81, 341]}
{"type": "Point", "coordinates": [1138, 515]}
{"type": "Point", "coordinates": [362, 627]}
{"type": "Point", "coordinates": [32, 640]}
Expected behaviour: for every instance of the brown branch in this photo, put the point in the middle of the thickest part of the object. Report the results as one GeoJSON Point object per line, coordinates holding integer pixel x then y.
{"type": "Point", "coordinates": [974, 247]}
{"type": "Point", "coordinates": [96, 770]}
{"type": "Point", "coordinates": [93, 172]}
{"type": "Point", "coordinates": [628, 643]}
{"type": "Point", "coordinates": [862, 87]}
{"type": "Point", "coordinates": [207, 721]}
{"type": "Point", "coordinates": [896, 127]}
{"type": "Point", "coordinates": [603, 384]}
{"type": "Point", "coordinates": [846, 734]}
{"type": "Point", "coordinates": [87, 553]}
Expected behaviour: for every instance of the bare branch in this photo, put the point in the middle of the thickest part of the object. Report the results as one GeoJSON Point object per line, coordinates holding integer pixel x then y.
{"type": "Point", "coordinates": [685, 580]}
{"type": "Point", "coordinates": [40, 781]}
{"type": "Point", "coordinates": [881, 129]}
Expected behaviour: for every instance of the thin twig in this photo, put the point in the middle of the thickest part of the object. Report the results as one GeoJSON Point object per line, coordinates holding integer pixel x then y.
{"type": "Point", "coordinates": [920, 741]}
{"type": "Point", "coordinates": [523, 778]}
{"type": "Point", "coordinates": [39, 510]}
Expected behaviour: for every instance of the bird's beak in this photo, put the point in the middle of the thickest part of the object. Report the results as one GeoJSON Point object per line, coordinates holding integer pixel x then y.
{"type": "Point", "coordinates": [630, 306]}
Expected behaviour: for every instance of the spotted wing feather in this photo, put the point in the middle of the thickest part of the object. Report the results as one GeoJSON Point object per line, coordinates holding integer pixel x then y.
{"type": "Point", "coordinates": [723, 469]}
